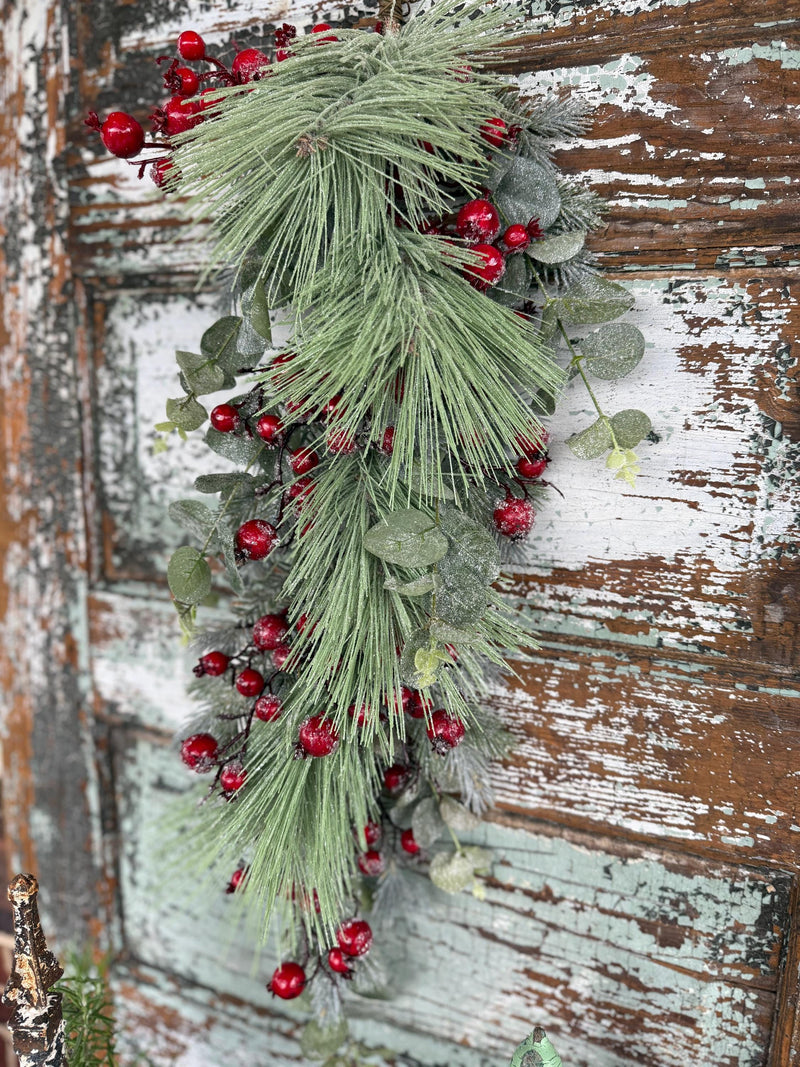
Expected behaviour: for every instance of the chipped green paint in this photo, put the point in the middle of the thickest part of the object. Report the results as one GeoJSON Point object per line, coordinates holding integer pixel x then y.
{"type": "Point", "coordinates": [775, 52]}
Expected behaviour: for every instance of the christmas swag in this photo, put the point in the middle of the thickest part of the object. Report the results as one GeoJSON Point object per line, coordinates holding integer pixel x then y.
{"type": "Point", "coordinates": [388, 204]}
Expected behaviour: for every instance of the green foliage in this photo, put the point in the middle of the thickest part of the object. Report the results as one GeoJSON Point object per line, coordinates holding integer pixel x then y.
{"type": "Point", "coordinates": [88, 1013]}
{"type": "Point", "coordinates": [536, 1051]}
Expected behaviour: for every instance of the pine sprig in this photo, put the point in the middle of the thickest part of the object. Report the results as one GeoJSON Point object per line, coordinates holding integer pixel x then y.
{"type": "Point", "coordinates": [88, 1013]}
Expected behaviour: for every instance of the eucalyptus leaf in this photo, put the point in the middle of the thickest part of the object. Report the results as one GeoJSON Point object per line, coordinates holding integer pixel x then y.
{"type": "Point", "coordinates": [451, 635]}
{"type": "Point", "coordinates": [480, 858]}
{"type": "Point", "coordinates": [451, 872]}
{"type": "Point", "coordinates": [224, 483]}
{"type": "Point", "coordinates": [407, 538]}
{"type": "Point", "coordinates": [528, 190]}
{"type": "Point", "coordinates": [557, 249]}
{"type": "Point", "coordinates": [410, 673]}
{"type": "Point", "coordinates": [202, 374]}
{"type": "Point", "coordinates": [548, 322]}
{"type": "Point", "coordinates": [613, 351]}
{"type": "Point", "coordinates": [545, 401]}
{"type": "Point", "coordinates": [460, 603]}
{"type": "Point", "coordinates": [240, 450]}
{"type": "Point", "coordinates": [593, 299]}
{"type": "Point", "coordinates": [591, 442]}
{"type": "Point", "coordinates": [219, 342]}
{"type": "Point", "coordinates": [514, 287]}
{"type": "Point", "coordinates": [194, 517]}
{"type": "Point", "coordinates": [417, 587]}
{"type": "Point", "coordinates": [228, 549]}
{"type": "Point", "coordinates": [457, 816]}
{"type": "Point", "coordinates": [630, 427]}
{"type": "Point", "coordinates": [250, 345]}
{"type": "Point", "coordinates": [189, 575]}
{"type": "Point", "coordinates": [319, 1042]}
{"type": "Point", "coordinates": [186, 413]}
{"type": "Point", "coordinates": [256, 308]}
{"type": "Point", "coordinates": [426, 822]}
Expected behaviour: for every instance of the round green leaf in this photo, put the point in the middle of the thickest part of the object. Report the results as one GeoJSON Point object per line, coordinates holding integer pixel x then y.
{"type": "Point", "coordinates": [426, 823]}
{"type": "Point", "coordinates": [593, 299]}
{"type": "Point", "coordinates": [318, 1042]}
{"type": "Point", "coordinates": [630, 427]}
{"type": "Point", "coordinates": [193, 516]}
{"type": "Point", "coordinates": [457, 816]}
{"type": "Point", "coordinates": [557, 249]}
{"type": "Point", "coordinates": [189, 575]}
{"type": "Point", "coordinates": [407, 538]}
{"type": "Point", "coordinates": [613, 351]}
{"type": "Point", "coordinates": [186, 413]}
{"type": "Point", "coordinates": [528, 190]}
{"type": "Point", "coordinates": [219, 342]}
{"type": "Point", "coordinates": [591, 442]}
{"type": "Point", "coordinates": [202, 374]}
{"type": "Point", "coordinates": [451, 872]}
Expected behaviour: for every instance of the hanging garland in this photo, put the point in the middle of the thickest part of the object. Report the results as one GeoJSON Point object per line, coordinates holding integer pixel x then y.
{"type": "Point", "coordinates": [388, 205]}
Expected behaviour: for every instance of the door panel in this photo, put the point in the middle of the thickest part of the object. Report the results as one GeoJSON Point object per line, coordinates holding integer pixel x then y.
{"type": "Point", "coordinates": [643, 904]}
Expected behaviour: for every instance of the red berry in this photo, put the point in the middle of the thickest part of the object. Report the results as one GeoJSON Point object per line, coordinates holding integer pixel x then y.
{"type": "Point", "coordinates": [360, 716]}
{"type": "Point", "coordinates": [280, 656]}
{"type": "Point", "coordinates": [513, 517]}
{"type": "Point", "coordinates": [530, 467]}
{"type": "Point", "coordinates": [533, 445]}
{"type": "Point", "coordinates": [237, 878]}
{"type": "Point", "coordinates": [491, 270]}
{"type": "Point", "coordinates": [478, 221]}
{"type": "Point", "coordinates": [159, 172]}
{"type": "Point", "coordinates": [190, 83]}
{"type": "Point", "coordinates": [340, 442]}
{"type": "Point", "coordinates": [232, 777]}
{"type": "Point", "coordinates": [494, 132]}
{"type": "Point", "coordinates": [191, 45]}
{"type": "Point", "coordinates": [535, 232]}
{"type": "Point", "coordinates": [418, 705]}
{"type": "Point", "coordinates": [282, 53]}
{"type": "Point", "coordinates": [181, 114]}
{"type": "Point", "coordinates": [395, 777]}
{"type": "Point", "coordinates": [199, 752]}
{"type": "Point", "coordinates": [322, 27]}
{"type": "Point", "coordinates": [225, 418]}
{"type": "Point", "coordinates": [122, 135]}
{"type": "Point", "coordinates": [248, 64]}
{"type": "Point", "coordinates": [255, 539]}
{"type": "Point", "coordinates": [268, 632]}
{"type": "Point", "coordinates": [337, 961]}
{"type": "Point", "coordinates": [354, 937]}
{"type": "Point", "coordinates": [516, 238]}
{"type": "Point", "coordinates": [288, 981]}
{"type": "Point", "coordinates": [250, 682]}
{"type": "Point", "coordinates": [372, 833]}
{"type": "Point", "coordinates": [300, 625]}
{"type": "Point", "coordinates": [387, 441]}
{"type": "Point", "coordinates": [402, 700]}
{"type": "Point", "coordinates": [210, 97]}
{"type": "Point", "coordinates": [269, 428]}
{"type": "Point", "coordinates": [268, 708]}
{"type": "Point", "coordinates": [303, 460]}
{"type": "Point", "coordinates": [300, 489]}
{"type": "Point", "coordinates": [213, 664]}
{"type": "Point", "coordinates": [331, 409]}
{"type": "Point", "coordinates": [318, 736]}
{"type": "Point", "coordinates": [372, 864]}
{"type": "Point", "coordinates": [407, 842]}
{"type": "Point", "coordinates": [445, 731]}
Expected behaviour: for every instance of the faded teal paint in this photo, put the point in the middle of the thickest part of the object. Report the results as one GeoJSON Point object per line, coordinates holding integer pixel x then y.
{"type": "Point", "coordinates": [775, 52]}
{"type": "Point", "coordinates": [561, 923]}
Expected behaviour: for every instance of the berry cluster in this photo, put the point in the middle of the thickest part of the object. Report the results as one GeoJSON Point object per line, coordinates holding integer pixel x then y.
{"type": "Point", "coordinates": [354, 940]}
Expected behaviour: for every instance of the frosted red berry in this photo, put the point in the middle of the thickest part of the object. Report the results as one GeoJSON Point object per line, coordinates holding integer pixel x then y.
{"type": "Point", "coordinates": [418, 705]}
{"type": "Point", "coordinates": [248, 64]}
{"type": "Point", "coordinates": [280, 655]}
{"type": "Point", "coordinates": [249, 682]}
{"type": "Point", "coordinates": [318, 736]}
{"type": "Point", "coordinates": [268, 708]}
{"type": "Point", "coordinates": [191, 45]}
{"type": "Point", "coordinates": [407, 842]}
{"type": "Point", "coordinates": [516, 238]}
{"type": "Point", "coordinates": [303, 460]}
{"type": "Point", "coordinates": [225, 418]}
{"type": "Point", "coordinates": [530, 467]}
{"type": "Point", "coordinates": [354, 937]}
{"type": "Point", "coordinates": [341, 442]}
{"type": "Point", "coordinates": [478, 220]}
{"type": "Point", "coordinates": [387, 441]}
{"type": "Point", "coordinates": [372, 864]}
{"type": "Point", "coordinates": [494, 132]}
{"type": "Point", "coordinates": [331, 409]}
{"type": "Point", "coordinates": [199, 752]}
{"type": "Point", "coordinates": [323, 27]}
{"type": "Point", "coordinates": [159, 172]}
{"type": "Point", "coordinates": [361, 714]}
{"type": "Point", "coordinates": [372, 833]}
{"type": "Point", "coordinates": [300, 489]}
{"type": "Point", "coordinates": [288, 981]}
{"type": "Point", "coordinates": [338, 962]}
{"type": "Point", "coordinates": [269, 631]}
{"type": "Point", "coordinates": [232, 777]}
{"type": "Point", "coordinates": [445, 731]}
{"type": "Point", "coordinates": [395, 777]}
{"type": "Point", "coordinates": [181, 115]}
{"type": "Point", "coordinates": [255, 539]}
{"type": "Point", "coordinates": [513, 517]}
{"type": "Point", "coordinates": [122, 135]}
{"type": "Point", "coordinates": [269, 428]}
{"type": "Point", "coordinates": [212, 663]}
{"type": "Point", "coordinates": [491, 268]}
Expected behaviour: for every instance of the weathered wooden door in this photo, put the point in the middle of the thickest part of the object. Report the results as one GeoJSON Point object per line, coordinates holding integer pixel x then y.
{"type": "Point", "coordinates": [644, 902]}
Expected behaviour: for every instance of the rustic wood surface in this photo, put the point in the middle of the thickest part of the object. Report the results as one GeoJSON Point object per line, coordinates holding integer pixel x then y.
{"type": "Point", "coordinates": [645, 902]}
